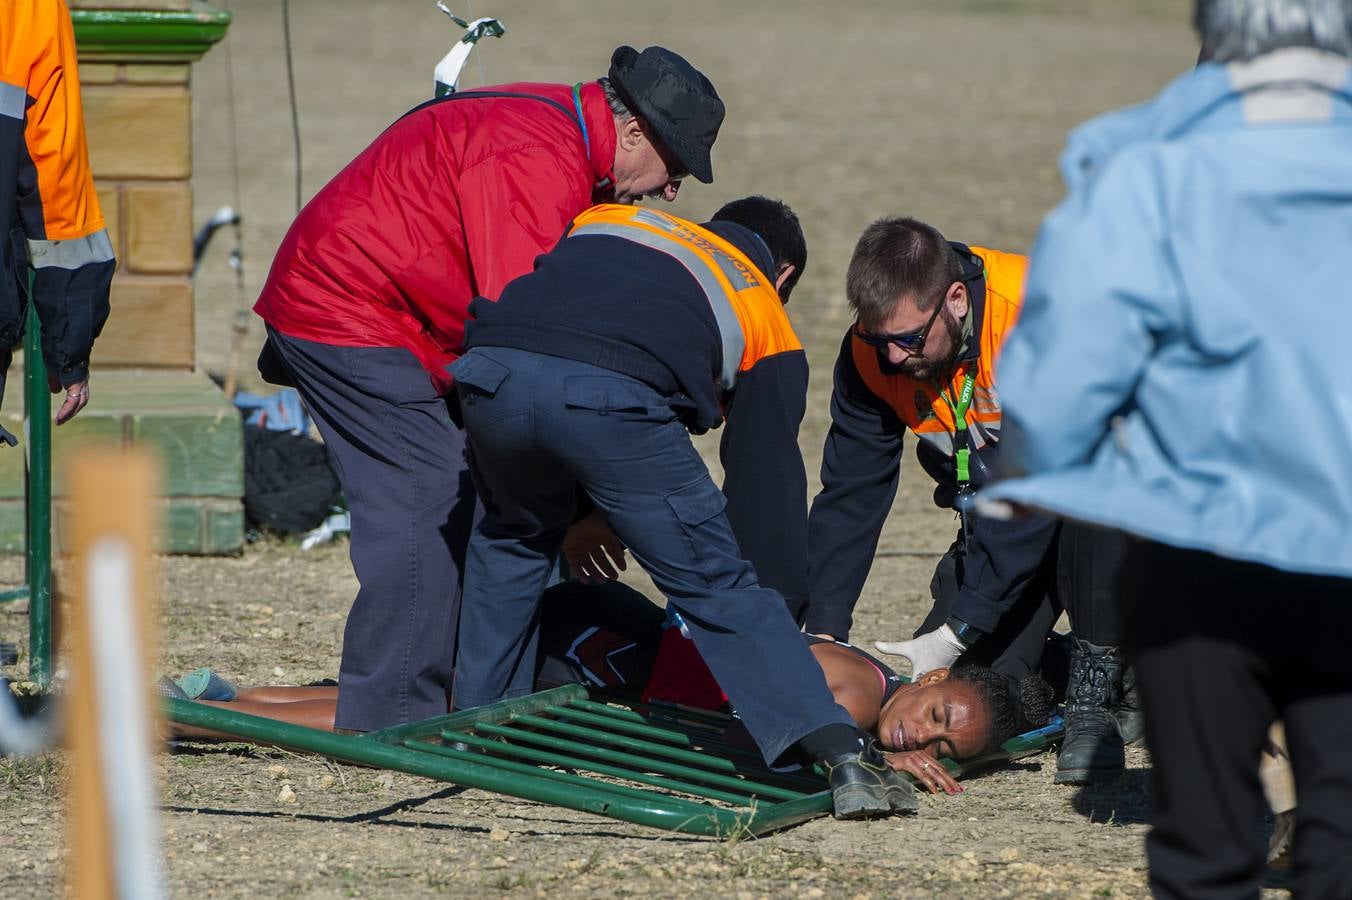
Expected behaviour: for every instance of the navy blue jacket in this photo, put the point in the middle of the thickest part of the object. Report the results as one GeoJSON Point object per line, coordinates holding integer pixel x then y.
{"type": "Point", "coordinates": [632, 309]}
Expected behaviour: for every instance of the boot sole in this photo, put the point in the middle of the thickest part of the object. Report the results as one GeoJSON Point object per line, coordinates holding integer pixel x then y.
{"type": "Point", "coordinates": [859, 802]}
{"type": "Point", "coordinates": [1087, 776]}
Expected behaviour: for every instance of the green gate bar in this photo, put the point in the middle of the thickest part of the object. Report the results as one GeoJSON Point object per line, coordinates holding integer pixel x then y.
{"type": "Point", "coordinates": [659, 765]}
{"type": "Point", "coordinates": [37, 406]}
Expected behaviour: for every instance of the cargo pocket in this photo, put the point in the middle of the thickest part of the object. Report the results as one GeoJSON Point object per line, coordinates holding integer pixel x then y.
{"type": "Point", "coordinates": [697, 503]}
{"type": "Point", "coordinates": [604, 395]}
{"type": "Point", "coordinates": [476, 374]}
{"type": "Point", "coordinates": [695, 506]}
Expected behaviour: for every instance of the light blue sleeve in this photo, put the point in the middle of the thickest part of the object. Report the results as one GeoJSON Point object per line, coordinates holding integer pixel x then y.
{"type": "Point", "coordinates": [1102, 291]}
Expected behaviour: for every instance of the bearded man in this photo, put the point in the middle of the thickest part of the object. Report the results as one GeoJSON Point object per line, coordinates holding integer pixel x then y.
{"type": "Point", "coordinates": [931, 317]}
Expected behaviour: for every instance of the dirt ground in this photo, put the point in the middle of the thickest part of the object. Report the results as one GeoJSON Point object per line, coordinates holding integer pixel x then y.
{"type": "Point", "coordinates": [954, 112]}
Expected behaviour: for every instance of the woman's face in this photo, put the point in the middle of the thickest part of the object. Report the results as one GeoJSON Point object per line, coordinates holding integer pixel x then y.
{"type": "Point", "coordinates": [942, 717]}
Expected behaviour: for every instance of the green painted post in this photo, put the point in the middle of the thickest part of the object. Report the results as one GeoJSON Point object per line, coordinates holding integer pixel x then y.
{"type": "Point", "coordinates": [37, 406]}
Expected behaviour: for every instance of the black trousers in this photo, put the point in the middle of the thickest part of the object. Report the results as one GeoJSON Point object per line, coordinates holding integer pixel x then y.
{"type": "Point", "coordinates": [1079, 577]}
{"type": "Point", "coordinates": [1221, 649]}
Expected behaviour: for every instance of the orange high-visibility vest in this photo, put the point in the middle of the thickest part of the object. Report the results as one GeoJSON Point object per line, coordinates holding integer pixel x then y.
{"type": "Point", "coordinates": [926, 407]}
{"type": "Point", "coordinates": [751, 319]}
{"type": "Point", "coordinates": [39, 87]}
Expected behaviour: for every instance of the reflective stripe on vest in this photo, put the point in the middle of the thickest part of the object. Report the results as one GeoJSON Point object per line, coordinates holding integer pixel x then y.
{"type": "Point", "coordinates": [920, 405]}
{"type": "Point", "coordinates": [751, 320]}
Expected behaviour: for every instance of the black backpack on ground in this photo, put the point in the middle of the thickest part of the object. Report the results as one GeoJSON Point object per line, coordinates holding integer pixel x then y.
{"type": "Point", "coordinates": [289, 486]}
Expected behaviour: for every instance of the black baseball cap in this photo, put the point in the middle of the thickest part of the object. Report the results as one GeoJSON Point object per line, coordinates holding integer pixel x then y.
{"type": "Point", "coordinates": [676, 101]}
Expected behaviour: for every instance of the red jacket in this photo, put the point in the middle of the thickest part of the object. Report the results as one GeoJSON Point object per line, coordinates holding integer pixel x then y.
{"type": "Point", "coordinates": [451, 202]}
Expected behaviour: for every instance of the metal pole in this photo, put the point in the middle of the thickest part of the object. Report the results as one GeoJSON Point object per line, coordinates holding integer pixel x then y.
{"type": "Point", "coordinates": [37, 407]}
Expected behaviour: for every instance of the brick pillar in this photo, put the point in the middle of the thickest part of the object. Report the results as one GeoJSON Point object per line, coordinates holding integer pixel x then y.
{"type": "Point", "coordinates": [135, 57]}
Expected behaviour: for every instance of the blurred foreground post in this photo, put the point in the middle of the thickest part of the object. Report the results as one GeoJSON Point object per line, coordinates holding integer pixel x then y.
{"type": "Point", "coordinates": [114, 825]}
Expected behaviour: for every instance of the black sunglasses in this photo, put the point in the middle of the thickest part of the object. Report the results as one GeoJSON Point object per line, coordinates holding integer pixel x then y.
{"type": "Point", "coordinates": [910, 341]}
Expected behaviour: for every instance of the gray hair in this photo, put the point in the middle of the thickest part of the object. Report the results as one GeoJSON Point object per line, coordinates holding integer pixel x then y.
{"type": "Point", "coordinates": [1238, 30]}
{"type": "Point", "coordinates": [617, 107]}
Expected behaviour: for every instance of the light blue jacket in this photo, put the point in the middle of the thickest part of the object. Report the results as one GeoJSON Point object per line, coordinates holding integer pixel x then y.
{"type": "Point", "coordinates": [1183, 366]}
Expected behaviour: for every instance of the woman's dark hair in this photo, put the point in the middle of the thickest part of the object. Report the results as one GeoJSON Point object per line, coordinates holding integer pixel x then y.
{"type": "Point", "coordinates": [778, 226]}
{"type": "Point", "coordinates": [1016, 705]}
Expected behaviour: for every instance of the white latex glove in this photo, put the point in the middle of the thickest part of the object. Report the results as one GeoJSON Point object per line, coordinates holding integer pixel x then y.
{"type": "Point", "coordinates": [933, 650]}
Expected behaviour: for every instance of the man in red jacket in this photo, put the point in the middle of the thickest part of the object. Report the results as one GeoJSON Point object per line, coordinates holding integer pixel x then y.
{"type": "Point", "coordinates": [366, 303]}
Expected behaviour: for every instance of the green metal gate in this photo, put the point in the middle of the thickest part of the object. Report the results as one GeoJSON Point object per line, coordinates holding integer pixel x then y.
{"type": "Point", "coordinates": [651, 764]}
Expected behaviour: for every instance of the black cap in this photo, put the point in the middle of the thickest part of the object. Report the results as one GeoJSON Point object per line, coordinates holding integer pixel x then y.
{"type": "Point", "coordinates": [675, 99]}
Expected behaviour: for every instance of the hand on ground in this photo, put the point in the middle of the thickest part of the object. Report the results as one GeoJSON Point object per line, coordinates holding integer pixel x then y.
{"type": "Point", "coordinates": [929, 773]}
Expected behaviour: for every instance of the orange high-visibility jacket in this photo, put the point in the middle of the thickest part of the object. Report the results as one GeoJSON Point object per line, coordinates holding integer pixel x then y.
{"type": "Point", "coordinates": [927, 408]}
{"type": "Point", "coordinates": [872, 406]}
{"type": "Point", "coordinates": [751, 319]}
{"type": "Point", "coordinates": [691, 310]}
{"type": "Point", "coordinates": [49, 213]}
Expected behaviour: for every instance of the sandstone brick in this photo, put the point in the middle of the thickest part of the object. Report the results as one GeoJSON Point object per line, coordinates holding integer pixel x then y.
{"type": "Point", "coordinates": [155, 73]}
{"type": "Point", "coordinates": [203, 455]}
{"type": "Point", "coordinates": [225, 528]}
{"type": "Point", "coordinates": [151, 323]}
{"type": "Point", "coordinates": [12, 528]}
{"type": "Point", "coordinates": [182, 527]}
{"type": "Point", "coordinates": [110, 204]}
{"type": "Point", "coordinates": [98, 73]}
{"type": "Point", "coordinates": [138, 131]}
{"type": "Point", "coordinates": [12, 469]}
{"type": "Point", "coordinates": [159, 227]}
{"type": "Point", "coordinates": [92, 427]}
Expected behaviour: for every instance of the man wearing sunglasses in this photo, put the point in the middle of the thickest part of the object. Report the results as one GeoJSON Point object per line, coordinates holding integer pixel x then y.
{"type": "Point", "coordinates": [931, 316]}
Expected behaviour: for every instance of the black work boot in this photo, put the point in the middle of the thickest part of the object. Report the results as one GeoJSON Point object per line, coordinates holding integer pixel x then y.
{"type": "Point", "coordinates": [1092, 750]}
{"type": "Point", "coordinates": [863, 786]}
{"type": "Point", "coordinates": [1130, 718]}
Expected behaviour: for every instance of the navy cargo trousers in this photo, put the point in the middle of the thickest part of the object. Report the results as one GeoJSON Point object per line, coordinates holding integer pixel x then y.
{"type": "Point", "coordinates": [538, 427]}
{"type": "Point", "coordinates": [401, 462]}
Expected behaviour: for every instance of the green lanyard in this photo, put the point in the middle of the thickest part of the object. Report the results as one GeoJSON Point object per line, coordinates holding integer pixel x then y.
{"type": "Point", "coordinates": [962, 453]}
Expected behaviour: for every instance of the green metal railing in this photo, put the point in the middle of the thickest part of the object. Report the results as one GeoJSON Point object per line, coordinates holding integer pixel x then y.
{"type": "Point", "coordinates": [37, 450]}
{"type": "Point", "coordinates": [650, 764]}
{"type": "Point", "coordinates": [562, 748]}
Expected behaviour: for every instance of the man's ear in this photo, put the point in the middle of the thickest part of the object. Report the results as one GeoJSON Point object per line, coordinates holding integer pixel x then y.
{"type": "Point", "coordinates": [631, 135]}
{"type": "Point", "coordinates": [957, 299]}
{"type": "Point", "coordinates": [786, 271]}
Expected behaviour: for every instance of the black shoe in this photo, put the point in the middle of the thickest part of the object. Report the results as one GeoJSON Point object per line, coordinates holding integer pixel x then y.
{"type": "Point", "coordinates": [1092, 750]}
{"type": "Point", "coordinates": [863, 786]}
{"type": "Point", "coordinates": [1130, 719]}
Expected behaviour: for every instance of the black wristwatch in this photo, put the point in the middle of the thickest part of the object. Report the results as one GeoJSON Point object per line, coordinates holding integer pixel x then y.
{"type": "Point", "coordinates": [966, 634]}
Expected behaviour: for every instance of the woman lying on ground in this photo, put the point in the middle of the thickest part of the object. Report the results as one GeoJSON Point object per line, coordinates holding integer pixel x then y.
{"type": "Point", "coordinates": [611, 637]}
